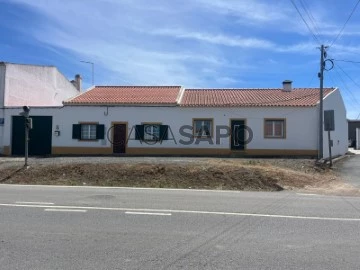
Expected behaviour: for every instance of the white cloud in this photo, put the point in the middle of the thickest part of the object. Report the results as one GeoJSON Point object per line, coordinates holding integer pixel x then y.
{"type": "Point", "coordinates": [196, 43]}
{"type": "Point", "coordinates": [250, 10]}
{"type": "Point", "coordinates": [219, 39]}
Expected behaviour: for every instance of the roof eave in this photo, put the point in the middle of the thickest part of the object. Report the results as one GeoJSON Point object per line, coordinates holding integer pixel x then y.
{"type": "Point", "coordinates": [121, 104]}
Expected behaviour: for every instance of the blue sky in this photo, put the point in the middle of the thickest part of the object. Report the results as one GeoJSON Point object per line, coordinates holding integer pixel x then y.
{"type": "Point", "coordinates": [194, 43]}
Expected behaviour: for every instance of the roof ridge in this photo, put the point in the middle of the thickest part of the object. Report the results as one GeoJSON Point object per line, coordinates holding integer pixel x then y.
{"type": "Point", "coordinates": [295, 88]}
{"type": "Point", "coordinates": [135, 86]}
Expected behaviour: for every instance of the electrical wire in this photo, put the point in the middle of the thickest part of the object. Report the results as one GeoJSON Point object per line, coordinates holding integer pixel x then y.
{"type": "Point", "coordinates": [347, 75]}
{"type": "Point", "coordinates": [346, 87]}
{"type": "Point", "coordinates": [310, 16]}
{"type": "Point", "coordinates": [348, 61]}
{"type": "Point", "coordinates": [307, 25]}
{"type": "Point", "coordinates": [348, 19]}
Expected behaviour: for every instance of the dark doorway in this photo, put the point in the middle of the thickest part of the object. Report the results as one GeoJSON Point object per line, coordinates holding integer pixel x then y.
{"type": "Point", "coordinates": [119, 140]}
{"type": "Point", "coordinates": [40, 135]}
{"type": "Point", "coordinates": [237, 134]}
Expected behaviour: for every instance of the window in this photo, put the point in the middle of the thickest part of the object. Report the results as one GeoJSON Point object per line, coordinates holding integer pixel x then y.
{"type": "Point", "coordinates": [151, 132]}
{"type": "Point", "coordinates": [274, 128]}
{"type": "Point", "coordinates": [88, 131]}
{"type": "Point", "coordinates": [202, 127]}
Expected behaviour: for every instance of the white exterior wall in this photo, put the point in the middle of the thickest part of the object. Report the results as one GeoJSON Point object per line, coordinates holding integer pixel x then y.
{"type": "Point", "coordinates": [35, 86]}
{"type": "Point", "coordinates": [2, 90]}
{"type": "Point", "coordinates": [301, 123]}
{"type": "Point", "coordinates": [2, 84]}
{"type": "Point", "coordinates": [339, 136]}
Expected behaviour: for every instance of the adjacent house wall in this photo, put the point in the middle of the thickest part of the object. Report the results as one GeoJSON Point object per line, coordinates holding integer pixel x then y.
{"type": "Point", "coordinates": [2, 90]}
{"type": "Point", "coordinates": [300, 135]}
{"type": "Point", "coordinates": [339, 136]}
{"type": "Point", "coordinates": [352, 126]}
{"type": "Point", "coordinates": [2, 83]}
{"type": "Point", "coordinates": [35, 86]}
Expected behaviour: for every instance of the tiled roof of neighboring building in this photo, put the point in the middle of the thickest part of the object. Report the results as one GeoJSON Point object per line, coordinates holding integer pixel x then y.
{"type": "Point", "coordinates": [131, 95]}
{"type": "Point", "coordinates": [298, 97]}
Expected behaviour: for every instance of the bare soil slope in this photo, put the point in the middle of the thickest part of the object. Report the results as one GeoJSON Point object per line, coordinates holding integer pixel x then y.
{"type": "Point", "coordinates": [221, 174]}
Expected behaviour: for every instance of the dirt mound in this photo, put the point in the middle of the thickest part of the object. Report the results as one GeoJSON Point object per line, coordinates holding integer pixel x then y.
{"type": "Point", "coordinates": [221, 175]}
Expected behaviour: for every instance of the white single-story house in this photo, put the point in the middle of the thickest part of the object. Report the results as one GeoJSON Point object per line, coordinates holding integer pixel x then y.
{"type": "Point", "coordinates": [172, 120]}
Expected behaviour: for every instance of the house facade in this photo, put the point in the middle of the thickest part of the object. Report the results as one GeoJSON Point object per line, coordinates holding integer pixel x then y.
{"type": "Point", "coordinates": [171, 120]}
{"type": "Point", "coordinates": [30, 85]}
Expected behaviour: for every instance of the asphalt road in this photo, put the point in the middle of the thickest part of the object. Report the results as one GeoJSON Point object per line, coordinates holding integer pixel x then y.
{"type": "Point", "coordinates": [349, 169]}
{"type": "Point", "coordinates": [120, 228]}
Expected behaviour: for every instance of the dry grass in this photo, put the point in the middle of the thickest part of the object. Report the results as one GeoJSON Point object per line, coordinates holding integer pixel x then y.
{"type": "Point", "coordinates": [256, 174]}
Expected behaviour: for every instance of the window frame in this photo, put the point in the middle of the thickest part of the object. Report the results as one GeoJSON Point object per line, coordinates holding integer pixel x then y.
{"type": "Point", "coordinates": [91, 128]}
{"type": "Point", "coordinates": [152, 124]}
{"type": "Point", "coordinates": [88, 123]}
{"type": "Point", "coordinates": [274, 120]}
{"type": "Point", "coordinates": [211, 130]}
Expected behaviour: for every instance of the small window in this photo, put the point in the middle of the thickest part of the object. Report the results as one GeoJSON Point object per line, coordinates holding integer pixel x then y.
{"type": "Point", "coordinates": [202, 128]}
{"type": "Point", "coordinates": [274, 128]}
{"type": "Point", "coordinates": [88, 132]}
{"type": "Point", "coordinates": [151, 132]}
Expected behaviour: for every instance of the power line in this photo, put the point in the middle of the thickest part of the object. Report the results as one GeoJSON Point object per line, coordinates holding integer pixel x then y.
{"type": "Point", "coordinates": [347, 75]}
{"type": "Point", "coordinates": [348, 61]}
{"type": "Point", "coordinates": [348, 19]}
{"type": "Point", "coordinates": [347, 91]}
{"type": "Point", "coordinates": [310, 16]}
{"type": "Point", "coordinates": [347, 88]}
{"type": "Point", "coordinates": [307, 25]}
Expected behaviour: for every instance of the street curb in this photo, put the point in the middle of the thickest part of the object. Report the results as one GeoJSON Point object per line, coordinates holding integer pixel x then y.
{"type": "Point", "coordinates": [337, 159]}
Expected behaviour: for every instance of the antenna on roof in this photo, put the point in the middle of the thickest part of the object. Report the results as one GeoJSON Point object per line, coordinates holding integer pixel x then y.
{"type": "Point", "coordinates": [92, 69]}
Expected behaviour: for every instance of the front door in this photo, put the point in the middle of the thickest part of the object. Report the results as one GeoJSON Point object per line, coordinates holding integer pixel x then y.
{"type": "Point", "coordinates": [237, 134]}
{"type": "Point", "coordinates": [119, 140]}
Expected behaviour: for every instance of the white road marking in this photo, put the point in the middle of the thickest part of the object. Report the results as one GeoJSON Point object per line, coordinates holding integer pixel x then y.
{"type": "Point", "coordinates": [147, 213]}
{"type": "Point", "coordinates": [43, 203]}
{"type": "Point", "coordinates": [65, 210]}
{"type": "Point", "coordinates": [182, 212]}
{"type": "Point", "coordinates": [308, 194]}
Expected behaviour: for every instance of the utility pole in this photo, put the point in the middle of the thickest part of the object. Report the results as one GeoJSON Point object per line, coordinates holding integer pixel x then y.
{"type": "Point", "coordinates": [28, 126]}
{"type": "Point", "coordinates": [92, 69]}
{"type": "Point", "coordinates": [321, 107]}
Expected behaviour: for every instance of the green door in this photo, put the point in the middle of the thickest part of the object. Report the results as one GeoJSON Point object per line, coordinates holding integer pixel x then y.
{"type": "Point", "coordinates": [40, 135]}
{"type": "Point", "coordinates": [237, 135]}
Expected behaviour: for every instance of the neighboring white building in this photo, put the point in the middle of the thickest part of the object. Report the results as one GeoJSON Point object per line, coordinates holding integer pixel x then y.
{"type": "Point", "coordinates": [34, 85]}
{"type": "Point", "coordinates": [31, 85]}
{"type": "Point", "coordinates": [171, 120]}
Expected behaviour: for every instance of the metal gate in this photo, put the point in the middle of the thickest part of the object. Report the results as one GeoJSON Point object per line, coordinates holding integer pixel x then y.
{"type": "Point", "coordinates": [40, 136]}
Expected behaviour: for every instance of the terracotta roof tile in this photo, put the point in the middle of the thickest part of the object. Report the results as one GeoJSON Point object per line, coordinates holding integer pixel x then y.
{"type": "Point", "coordinates": [122, 95]}
{"type": "Point", "coordinates": [168, 95]}
{"type": "Point", "coordinates": [298, 97]}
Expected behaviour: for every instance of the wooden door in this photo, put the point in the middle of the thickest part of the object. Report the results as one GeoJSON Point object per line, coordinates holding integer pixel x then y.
{"type": "Point", "coordinates": [119, 140]}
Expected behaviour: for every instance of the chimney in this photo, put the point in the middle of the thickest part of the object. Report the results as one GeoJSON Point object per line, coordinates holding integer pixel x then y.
{"type": "Point", "coordinates": [287, 86]}
{"type": "Point", "coordinates": [78, 82]}
{"type": "Point", "coordinates": [73, 83]}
